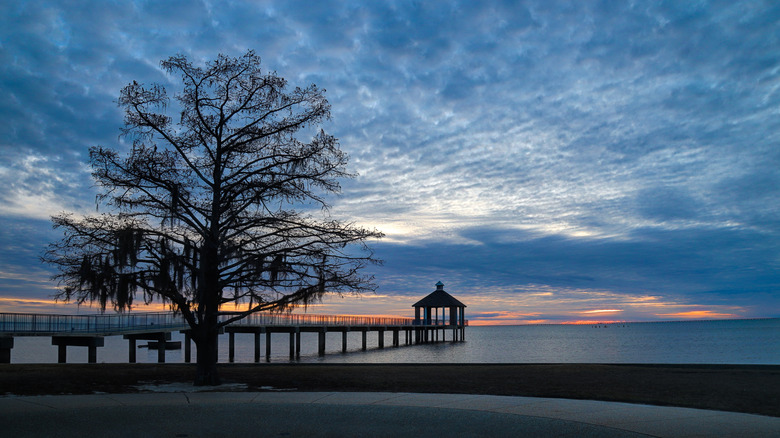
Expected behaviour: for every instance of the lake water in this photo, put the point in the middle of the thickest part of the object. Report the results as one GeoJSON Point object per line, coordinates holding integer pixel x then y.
{"type": "Point", "coordinates": [704, 342]}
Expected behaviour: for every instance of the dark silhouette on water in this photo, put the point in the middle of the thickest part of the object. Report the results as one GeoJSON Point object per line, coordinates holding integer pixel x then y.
{"type": "Point", "coordinates": [426, 312]}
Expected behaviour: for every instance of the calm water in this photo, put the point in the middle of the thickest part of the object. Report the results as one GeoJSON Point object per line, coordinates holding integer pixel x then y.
{"type": "Point", "coordinates": [713, 342]}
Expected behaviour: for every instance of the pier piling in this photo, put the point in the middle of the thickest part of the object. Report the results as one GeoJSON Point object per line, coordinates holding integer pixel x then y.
{"type": "Point", "coordinates": [321, 343]}
{"type": "Point", "coordinates": [6, 344]}
{"type": "Point", "coordinates": [91, 342]}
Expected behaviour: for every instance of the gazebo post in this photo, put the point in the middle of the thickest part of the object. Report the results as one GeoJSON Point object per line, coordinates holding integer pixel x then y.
{"type": "Point", "coordinates": [462, 324]}
{"type": "Point", "coordinates": [436, 327]}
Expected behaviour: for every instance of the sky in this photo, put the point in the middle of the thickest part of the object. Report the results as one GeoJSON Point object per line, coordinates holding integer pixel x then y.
{"type": "Point", "coordinates": [548, 161]}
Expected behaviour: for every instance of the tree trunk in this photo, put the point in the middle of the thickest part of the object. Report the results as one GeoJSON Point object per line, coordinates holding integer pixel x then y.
{"type": "Point", "coordinates": [208, 306]}
{"type": "Point", "coordinates": [207, 344]}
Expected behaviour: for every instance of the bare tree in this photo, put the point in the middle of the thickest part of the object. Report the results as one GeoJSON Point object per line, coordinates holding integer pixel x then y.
{"type": "Point", "coordinates": [203, 210]}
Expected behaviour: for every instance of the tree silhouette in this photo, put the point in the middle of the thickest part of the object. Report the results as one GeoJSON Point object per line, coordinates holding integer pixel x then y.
{"type": "Point", "coordinates": [202, 212]}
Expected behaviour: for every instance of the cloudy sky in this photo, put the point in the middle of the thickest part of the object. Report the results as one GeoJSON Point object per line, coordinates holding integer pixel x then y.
{"type": "Point", "coordinates": [548, 161]}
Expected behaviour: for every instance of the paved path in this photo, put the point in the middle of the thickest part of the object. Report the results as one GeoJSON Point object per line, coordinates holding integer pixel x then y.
{"type": "Point", "coordinates": [359, 414]}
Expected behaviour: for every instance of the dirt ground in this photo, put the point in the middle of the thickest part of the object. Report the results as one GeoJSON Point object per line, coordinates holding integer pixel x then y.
{"type": "Point", "coordinates": [739, 388]}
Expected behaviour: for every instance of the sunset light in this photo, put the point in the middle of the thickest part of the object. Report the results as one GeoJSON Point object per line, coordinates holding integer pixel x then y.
{"type": "Point", "coordinates": [568, 165]}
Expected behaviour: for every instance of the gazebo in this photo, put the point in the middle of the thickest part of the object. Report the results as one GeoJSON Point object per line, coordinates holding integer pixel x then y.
{"type": "Point", "coordinates": [426, 315]}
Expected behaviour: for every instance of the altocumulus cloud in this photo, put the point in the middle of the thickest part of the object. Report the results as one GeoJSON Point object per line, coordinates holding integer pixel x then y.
{"type": "Point", "coordinates": [543, 159]}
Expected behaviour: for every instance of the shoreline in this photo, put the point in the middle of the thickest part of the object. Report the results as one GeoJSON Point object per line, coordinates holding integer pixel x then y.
{"type": "Point", "coordinates": [751, 389]}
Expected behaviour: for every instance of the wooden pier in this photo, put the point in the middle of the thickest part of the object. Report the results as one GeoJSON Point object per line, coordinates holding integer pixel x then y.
{"type": "Point", "coordinates": [414, 331]}
{"type": "Point", "coordinates": [90, 330]}
{"type": "Point", "coordinates": [87, 331]}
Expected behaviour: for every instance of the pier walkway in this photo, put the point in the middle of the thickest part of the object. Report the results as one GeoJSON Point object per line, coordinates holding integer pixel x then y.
{"type": "Point", "coordinates": [89, 331]}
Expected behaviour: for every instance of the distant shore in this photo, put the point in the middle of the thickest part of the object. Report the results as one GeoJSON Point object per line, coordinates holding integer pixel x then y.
{"type": "Point", "coordinates": [739, 388]}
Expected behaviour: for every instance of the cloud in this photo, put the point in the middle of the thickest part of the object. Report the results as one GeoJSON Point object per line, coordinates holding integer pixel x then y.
{"type": "Point", "coordinates": [625, 148]}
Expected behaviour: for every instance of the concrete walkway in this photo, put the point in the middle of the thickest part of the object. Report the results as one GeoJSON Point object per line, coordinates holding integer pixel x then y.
{"type": "Point", "coordinates": [359, 414]}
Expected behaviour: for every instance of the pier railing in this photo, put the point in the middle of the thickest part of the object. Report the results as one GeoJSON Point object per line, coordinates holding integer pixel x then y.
{"type": "Point", "coordinates": [42, 324]}
{"type": "Point", "coordinates": [89, 324]}
{"type": "Point", "coordinates": [284, 319]}
{"type": "Point", "coordinates": [89, 330]}
{"type": "Point", "coordinates": [441, 322]}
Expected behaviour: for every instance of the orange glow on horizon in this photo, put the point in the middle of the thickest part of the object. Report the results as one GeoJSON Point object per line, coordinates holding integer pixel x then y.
{"type": "Point", "coordinates": [478, 322]}
{"type": "Point", "coordinates": [698, 314]}
{"type": "Point", "coordinates": [483, 310]}
{"type": "Point", "coordinates": [27, 305]}
{"type": "Point", "coordinates": [51, 306]}
{"type": "Point", "coordinates": [494, 322]}
{"type": "Point", "coordinates": [590, 322]}
{"type": "Point", "coordinates": [603, 311]}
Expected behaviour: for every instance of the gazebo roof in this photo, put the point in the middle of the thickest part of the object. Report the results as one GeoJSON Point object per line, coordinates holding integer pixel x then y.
{"type": "Point", "coordinates": [439, 298]}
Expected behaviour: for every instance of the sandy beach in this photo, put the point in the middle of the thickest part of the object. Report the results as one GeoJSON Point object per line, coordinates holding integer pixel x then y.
{"type": "Point", "coordinates": [737, 388]}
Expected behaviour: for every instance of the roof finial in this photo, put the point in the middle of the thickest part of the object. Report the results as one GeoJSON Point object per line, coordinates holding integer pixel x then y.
{"type": "Point", "coordinates": [440, 286]}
